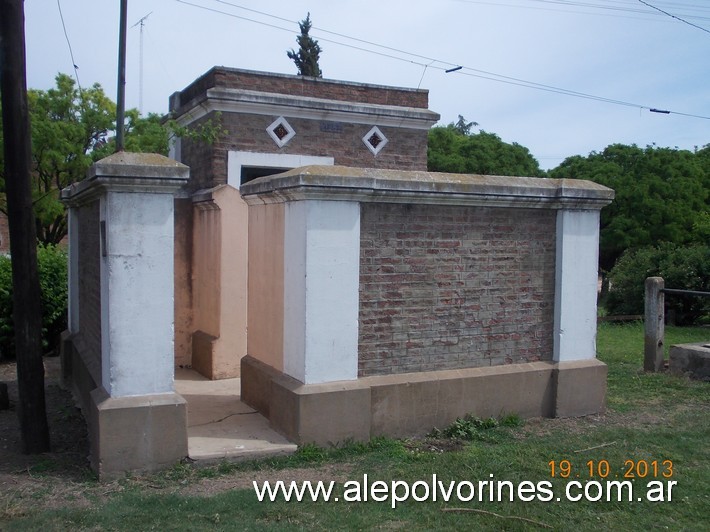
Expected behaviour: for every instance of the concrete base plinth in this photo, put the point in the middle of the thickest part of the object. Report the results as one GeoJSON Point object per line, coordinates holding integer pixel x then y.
{"type": "Point", "coordinates": [580, 388]}
{"type": "Point", "coordinates": [692, 360]}
{"type": "Point", "coordinates": [136, 433]}
{"type": "Point", "coordinates": [133, 433]}
{"type": "Point", "coordinates": [414, 403]}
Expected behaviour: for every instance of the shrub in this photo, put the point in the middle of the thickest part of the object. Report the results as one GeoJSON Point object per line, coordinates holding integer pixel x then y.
{"type": "Point", "coordinates": [471, 427]}
{"type": "Point", "coordinates": [52, 267]}
{"type": "Point", "coordinates": [682, 267]}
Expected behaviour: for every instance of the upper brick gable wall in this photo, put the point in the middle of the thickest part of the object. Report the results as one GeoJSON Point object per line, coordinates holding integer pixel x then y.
{"type": "Point", "coordinates": [329, 119]}
{"type": "Point", "coordinates": [232, 78]}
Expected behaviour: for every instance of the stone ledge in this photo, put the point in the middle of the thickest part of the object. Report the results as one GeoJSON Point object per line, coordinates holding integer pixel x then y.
{"type": "Point", "coordinates": [692, 360]}
{"type": "Point", "coordinates": [394, 186]}
{"type": "Point", "coordinates": [129, 172]}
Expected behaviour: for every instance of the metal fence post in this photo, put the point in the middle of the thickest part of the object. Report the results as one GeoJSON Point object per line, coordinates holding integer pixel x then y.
{"type": "Point", "coordinates": [654, 324]}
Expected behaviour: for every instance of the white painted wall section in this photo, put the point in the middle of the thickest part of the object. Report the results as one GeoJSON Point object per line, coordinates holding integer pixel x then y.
{"type": "Point", "coordinates": [238, 159]}
{"type": "Point", "coordinates": [576, 275]}
{"type": "Point", "coordinates": [322, 268]}
{"type": "Point", "coordinates": [137, 293]}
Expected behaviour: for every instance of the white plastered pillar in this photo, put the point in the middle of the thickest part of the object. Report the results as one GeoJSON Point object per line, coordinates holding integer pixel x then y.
{"type": "Point", "coordinates": [576, 279]}
{"type": "Point", "coordinates": [321, 281]}
{"type": "Point", "coordinates": [137, 293]}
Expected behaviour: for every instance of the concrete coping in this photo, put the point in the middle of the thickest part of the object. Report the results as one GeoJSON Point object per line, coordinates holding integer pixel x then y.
{"type": "Point", "coordinates": [397, 186]}
{"type": "Point", "coordinates": [129, 172]}
{"type": "Point", "coordinates": [292, 102]}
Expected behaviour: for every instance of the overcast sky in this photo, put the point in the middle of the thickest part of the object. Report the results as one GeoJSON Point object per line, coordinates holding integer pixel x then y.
{"type": "Point", "coordinates": [620, 50]}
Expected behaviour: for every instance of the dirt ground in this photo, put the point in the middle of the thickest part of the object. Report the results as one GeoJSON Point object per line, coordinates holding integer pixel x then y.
{"type": "Point", "coordinates": [63, 475]}
{"type": "Point", "coordinates": [70, 446]}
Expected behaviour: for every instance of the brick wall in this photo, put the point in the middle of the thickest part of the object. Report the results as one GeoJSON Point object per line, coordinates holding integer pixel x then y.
{"type": "Point", "coordinates": [207, 162]}
{"type": "Point", "coordinates": [90, 280]}
{"type": "Point", "coordinates": [406, 150]}
{"type": "Point", "coordinates": [454, 287]}
{"type": "Point", "coordinates": [232, 78]}
{"type": "Point", "coordinates": [4, 234]}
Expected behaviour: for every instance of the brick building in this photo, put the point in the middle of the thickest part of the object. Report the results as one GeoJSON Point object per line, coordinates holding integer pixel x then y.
{"type": "Point", "coordinates": [354, 293]}
{"type": "Point", "coordinates": [435, 273]}
{"type": "Point", "coordinates": [272, 123]}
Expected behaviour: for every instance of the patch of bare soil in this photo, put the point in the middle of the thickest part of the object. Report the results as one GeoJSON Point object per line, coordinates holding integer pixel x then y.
{"type": "Point", "coordinates": [61, 473]}
{"type": "Point", "coordinates": [70, 449]}
{"type": "Point", "coordinates": [63, 476]}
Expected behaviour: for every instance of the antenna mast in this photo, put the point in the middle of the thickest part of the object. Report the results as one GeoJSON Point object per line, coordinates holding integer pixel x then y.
{"type": "Point", "coordinates": [141, 22]}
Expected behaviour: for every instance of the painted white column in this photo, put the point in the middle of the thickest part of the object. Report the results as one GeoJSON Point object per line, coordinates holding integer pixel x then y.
{"type": "Point", "coordinates": [576, 277]}
{"type": "Point", "coordinates": [137, 293]}
{"type": "Point", "coordinates": [321, 281]}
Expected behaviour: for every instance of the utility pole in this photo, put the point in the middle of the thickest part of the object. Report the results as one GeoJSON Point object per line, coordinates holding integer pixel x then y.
{"type": "Point", "coordinates": [121, 97]}
{"type": "Point", "coordinates": [27, 314]}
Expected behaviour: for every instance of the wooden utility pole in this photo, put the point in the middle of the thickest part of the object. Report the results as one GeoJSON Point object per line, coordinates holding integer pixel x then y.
{"type": "Point", "coordinates": [27, 313]}
{"type": "Point", "coordinates": [121, 89]}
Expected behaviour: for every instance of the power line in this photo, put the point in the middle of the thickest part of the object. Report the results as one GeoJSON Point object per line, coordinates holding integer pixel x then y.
{"type": "Point", "coordinates": [429, 61]}
{"type": "Point", "coordinates": [675, 17]}
{"type": "Point", "coordinates": [615, 7]}
{"type": "Point", "coordinates": [71, 52]}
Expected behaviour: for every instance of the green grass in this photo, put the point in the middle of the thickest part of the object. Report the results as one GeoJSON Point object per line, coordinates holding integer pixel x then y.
{"type": "Point", "coordinates": [650, 417]}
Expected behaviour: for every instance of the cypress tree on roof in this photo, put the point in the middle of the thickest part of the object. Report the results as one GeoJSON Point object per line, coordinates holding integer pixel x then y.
{"type": "Point", "coordinates": [306, 59]}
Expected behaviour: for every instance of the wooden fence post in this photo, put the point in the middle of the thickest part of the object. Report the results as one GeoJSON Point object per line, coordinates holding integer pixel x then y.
{"type": "Point", "coordinates": [654, 324]}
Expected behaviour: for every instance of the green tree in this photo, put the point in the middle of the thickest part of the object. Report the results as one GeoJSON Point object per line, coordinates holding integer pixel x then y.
{"type": "Point", "coordinates": [68, 126]}
{"type": "Point", "coordinates": [464, 127]}
{"type": "Point", "coordinates": [684, 267]}
{"type": "Point", "coordinates": [306, 59]}
{"type": "Point", "coordinates": [454, 149]}
{"type": "Point", "coordinates": [72, 129]}
{"type": "Point", "coordinates": [661, 195]}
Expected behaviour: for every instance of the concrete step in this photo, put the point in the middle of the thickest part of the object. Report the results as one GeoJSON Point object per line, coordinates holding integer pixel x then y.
{"type": "Point", "coordinates": [220, 426]}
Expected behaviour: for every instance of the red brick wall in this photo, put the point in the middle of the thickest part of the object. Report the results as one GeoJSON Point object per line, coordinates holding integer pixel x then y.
{"type": "Point", "coordinates": [406, 150]}
{"type": "Point", "coordinates": [4, 234]}
{"type": "Point", "coordinates": [90, 280]}
{"type": "Point", "coordinates": [454, 287]}
{"type": "Point", "coordinates": [207, 162]}
{"type": "Point", "coordinates": [303, 86]}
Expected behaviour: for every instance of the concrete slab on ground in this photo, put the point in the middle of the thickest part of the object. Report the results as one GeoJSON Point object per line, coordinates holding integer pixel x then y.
{"type": "Point", "coordinates": [220, 426]}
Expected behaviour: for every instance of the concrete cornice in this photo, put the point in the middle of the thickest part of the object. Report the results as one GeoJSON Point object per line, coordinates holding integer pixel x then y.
{"type": "Point", "coordinates": [273, 104]}
{"type": "Point", "coordinates": [129, 172]}
{"type": "Point", "coordinates": [391, 186]}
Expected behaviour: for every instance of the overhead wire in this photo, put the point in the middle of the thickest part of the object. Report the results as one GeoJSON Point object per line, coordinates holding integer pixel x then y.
{"type": "Point", "coordinates": [71, 52]}
{"type": "Point", "coordinates": [636, 12]}
{"type": "Point", "coordinates": [675, 17]}
{"type": "Point", "coordinates": [430, 62]}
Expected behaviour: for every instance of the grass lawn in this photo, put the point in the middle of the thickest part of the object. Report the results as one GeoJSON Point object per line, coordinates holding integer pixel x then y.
{"type": "Point", "coordinates": [650, 418]}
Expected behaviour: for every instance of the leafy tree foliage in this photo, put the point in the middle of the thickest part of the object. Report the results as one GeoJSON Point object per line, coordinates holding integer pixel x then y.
{"type": "Point", "coordinates": [685, 267]}
{"type": "Point", "coordinates": [306, 59]}
{"type": "Point", "coordinates": [52, 266]}
{"type": "Point", "coordinates": [66, 129]}
{"type": "Point", "coordinates": [662, 195]}
{"type": "Point", "coordinates": [455, 149]}
{"type": "Point", "coordinates": [72, 129]}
